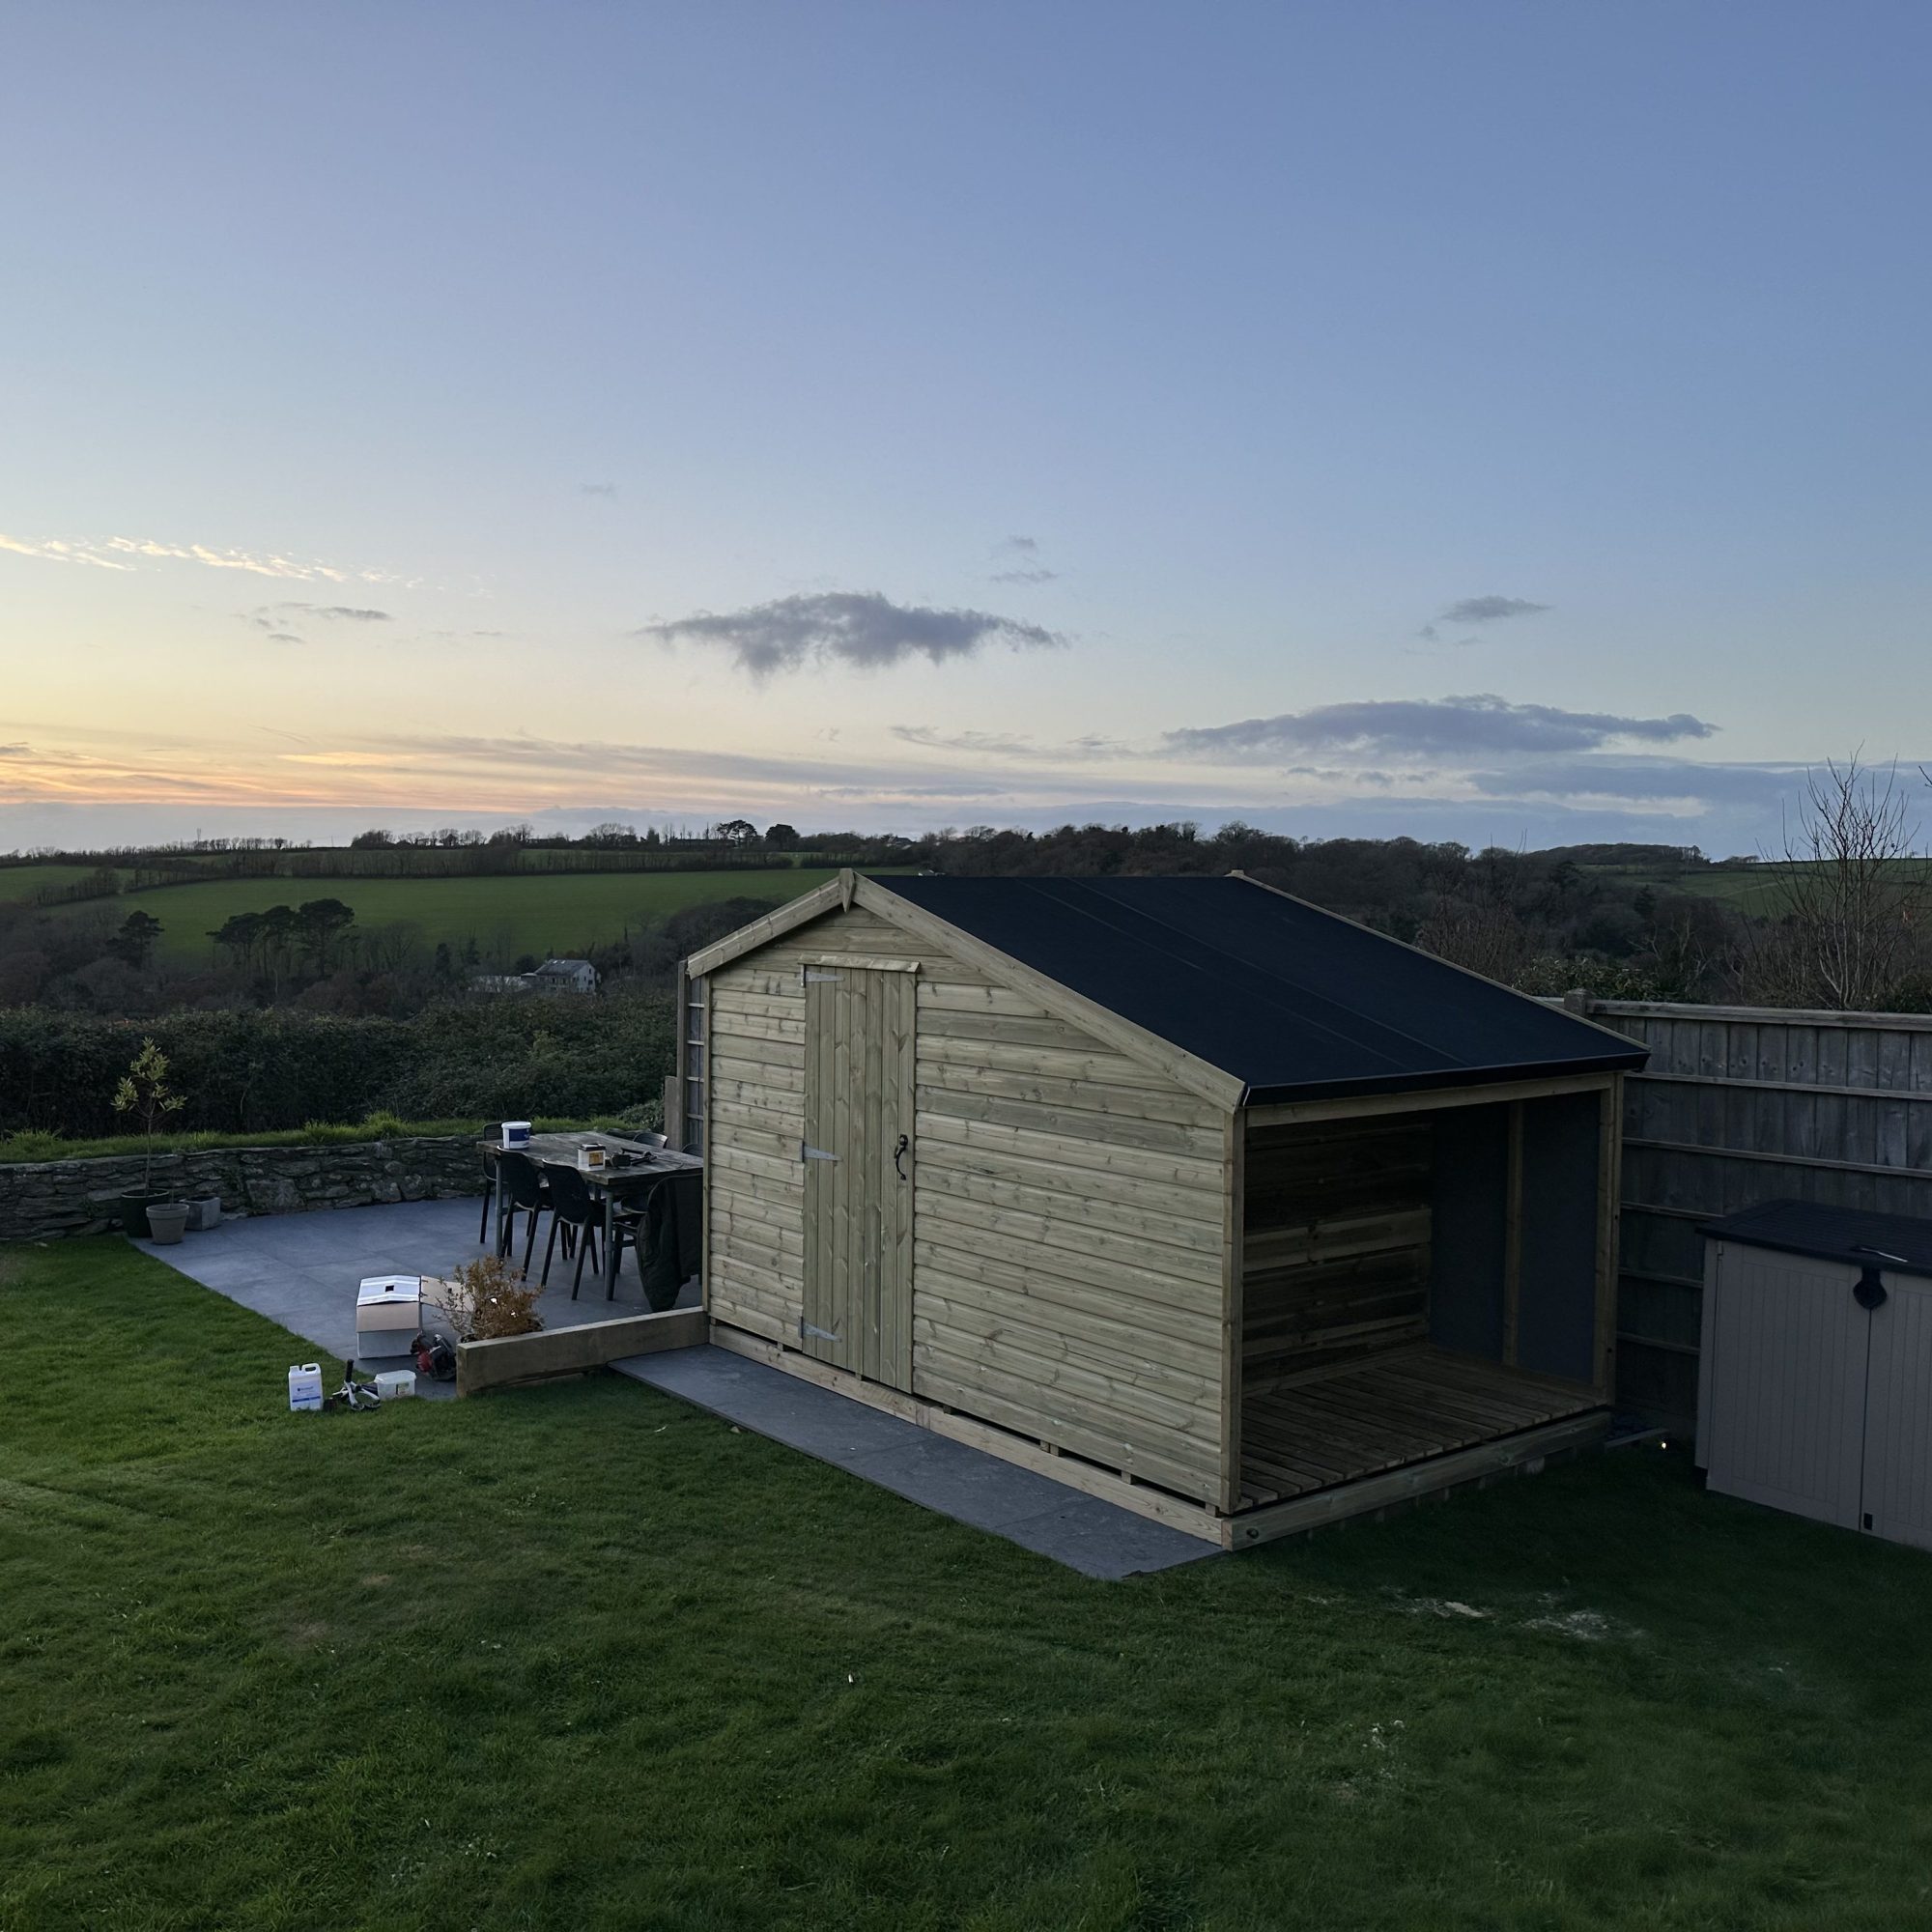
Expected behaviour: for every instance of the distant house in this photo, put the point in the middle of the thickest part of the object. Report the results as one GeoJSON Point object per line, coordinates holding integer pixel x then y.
{"type": "Point", "coordinates": [553, 976]}
{"type": "Point", "coordinates": [563, 975]}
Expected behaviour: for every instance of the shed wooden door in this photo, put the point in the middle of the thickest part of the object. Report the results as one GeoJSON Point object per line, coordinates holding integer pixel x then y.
{"type": "Point", "coordinates": [859, 1101]}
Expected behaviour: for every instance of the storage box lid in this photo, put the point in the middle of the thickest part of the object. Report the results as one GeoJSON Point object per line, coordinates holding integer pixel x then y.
{"type": "Point", "coordinates": [1900, 1244]}
{"type": "Point", "coordinates": [390, 1287]}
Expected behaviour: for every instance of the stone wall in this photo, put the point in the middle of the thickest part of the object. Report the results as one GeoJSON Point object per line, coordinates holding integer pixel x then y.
{"type": "Point", "coordinates": [39, 1199]}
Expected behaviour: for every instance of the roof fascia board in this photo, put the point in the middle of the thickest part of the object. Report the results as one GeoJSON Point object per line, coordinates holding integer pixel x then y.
{"type": "Point", "coordinates": [802, 911]}
{"type": "Point", "coordinates": [1467, 971]}
{"type": "Point", "coordinates": [1200, 1077]}
{"type": "Point", "coordinates": [1294, 1113]}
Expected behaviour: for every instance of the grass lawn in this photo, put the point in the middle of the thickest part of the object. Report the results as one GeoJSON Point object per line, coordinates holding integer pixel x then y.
{"type": "Point", "coordinates": [545, 913]}
{"type": "Point", "coordinates": [580, 1657]}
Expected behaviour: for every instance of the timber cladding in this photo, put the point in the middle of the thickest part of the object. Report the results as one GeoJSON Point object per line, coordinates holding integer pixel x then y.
{"type": "Point", "coordinates": [1739, 1106]}
{"type": "Point", "coordinates": [1066, 1216]}
{"type": "Point", "coordinates": [1335, 1244]}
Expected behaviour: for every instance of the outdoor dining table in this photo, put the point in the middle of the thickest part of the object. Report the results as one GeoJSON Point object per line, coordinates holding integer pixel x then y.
{"type": "Point", "coordinates": [631, 1168]}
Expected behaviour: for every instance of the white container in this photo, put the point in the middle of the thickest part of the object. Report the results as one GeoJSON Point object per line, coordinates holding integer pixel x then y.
{"type": "Point", "coordinates": [516, 1133]}
{"type": "Point", "coordinates": [306, 1387]}
{"type": "Point", "coordinates": [590, 1157]}
{"type": "Point", "coordinates": [394, 1383]}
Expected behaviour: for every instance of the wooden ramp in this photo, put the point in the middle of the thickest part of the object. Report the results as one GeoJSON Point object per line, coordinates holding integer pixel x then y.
{"type": "Point", "coordinates": [1385, 1412]}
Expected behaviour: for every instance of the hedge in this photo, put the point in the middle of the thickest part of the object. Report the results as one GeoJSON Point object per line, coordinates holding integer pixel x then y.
{"type": "Point", "coordinates": [261, 1071]}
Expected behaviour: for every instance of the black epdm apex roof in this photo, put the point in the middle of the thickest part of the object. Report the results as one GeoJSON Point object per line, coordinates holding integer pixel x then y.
{"type": "Point", "coordinates": [1290, 999]}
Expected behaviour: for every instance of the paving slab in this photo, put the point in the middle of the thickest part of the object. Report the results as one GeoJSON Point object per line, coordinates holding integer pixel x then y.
{"type": "Point", "coordinates": [1086, 1533]}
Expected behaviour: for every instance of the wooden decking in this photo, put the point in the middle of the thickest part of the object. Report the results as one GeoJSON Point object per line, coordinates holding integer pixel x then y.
{"type": "Point", "coordinates": [1386, 1412]}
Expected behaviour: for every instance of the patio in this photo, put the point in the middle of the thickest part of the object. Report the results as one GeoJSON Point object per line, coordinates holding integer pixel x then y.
{"type": "Point", "coordinates": [301, 1270]}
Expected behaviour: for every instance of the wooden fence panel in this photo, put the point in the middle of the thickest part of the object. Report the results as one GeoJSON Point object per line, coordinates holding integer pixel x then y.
{"type": "Point", "coordinates": [1740, 1106]}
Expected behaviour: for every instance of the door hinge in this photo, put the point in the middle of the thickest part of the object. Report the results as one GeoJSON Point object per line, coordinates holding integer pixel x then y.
{"type": "Point", "coordinates": [807, 1331]}
{"type": "Point", "coordinates": [806, 1152]}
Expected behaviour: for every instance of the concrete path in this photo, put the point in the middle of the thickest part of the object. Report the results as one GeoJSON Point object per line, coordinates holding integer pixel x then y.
{"type": "Point", "coordinates": [1099, 1539]}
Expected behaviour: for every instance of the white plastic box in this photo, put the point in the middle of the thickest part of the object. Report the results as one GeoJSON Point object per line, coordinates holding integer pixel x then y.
{"type": "Point", "coordinates": [388, 1311]}
{"type": "Point", "coordinates": [394, 1383]}
{"type": "Point", "coordinates": [306, 1387]}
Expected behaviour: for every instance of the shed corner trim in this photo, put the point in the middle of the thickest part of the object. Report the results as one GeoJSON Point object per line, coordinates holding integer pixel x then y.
{"type": "Point", "coordinates": [802, 911]}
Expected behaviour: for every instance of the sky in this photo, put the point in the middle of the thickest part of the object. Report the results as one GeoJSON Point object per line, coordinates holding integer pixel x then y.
{"type": "Point", "coordinates": [1504, 423]}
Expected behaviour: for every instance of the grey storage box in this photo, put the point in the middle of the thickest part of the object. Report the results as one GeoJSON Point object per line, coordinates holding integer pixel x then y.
{"type": "Point", "coordinates": [1815, 1378]}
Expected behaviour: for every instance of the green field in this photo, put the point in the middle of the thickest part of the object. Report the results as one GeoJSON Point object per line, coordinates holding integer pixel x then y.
{"type": "Point", "coordinates": [579, 1657]}
{"type": "Point", "coordinates": [548, 914]}
{"type": "Point", "coordinates": [22, 882]}
{"type": "Point", "coordinates": [1751, 889]}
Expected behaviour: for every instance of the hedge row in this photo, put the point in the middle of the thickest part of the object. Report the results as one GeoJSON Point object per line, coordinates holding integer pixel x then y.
{"type": "Point", "coordinates": [252, 1072]}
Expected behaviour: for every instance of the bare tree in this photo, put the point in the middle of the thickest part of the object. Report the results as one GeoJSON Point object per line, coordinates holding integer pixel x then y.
{"type": "Point", "coordinates": [1483, 935]}
{"type": "Point", "coordinates": [1848, 903]}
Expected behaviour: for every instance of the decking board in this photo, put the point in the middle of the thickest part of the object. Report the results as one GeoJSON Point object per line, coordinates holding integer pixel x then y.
{"type": "Point", "coordinates": [1366, 1416]}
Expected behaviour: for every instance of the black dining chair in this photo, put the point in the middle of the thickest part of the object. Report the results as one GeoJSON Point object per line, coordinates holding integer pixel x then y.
{"type": "Point", "coordinates": [489, 1196]}
{"type": "Point", "coordinates": [579, 1213]}
{"type": "Point", "coordinates": [527, 1192]}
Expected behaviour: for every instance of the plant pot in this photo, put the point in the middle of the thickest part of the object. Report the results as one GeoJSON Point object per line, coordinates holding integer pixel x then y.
{"type": "Point", "coordinates": [168, 1222]}
{"type": "Point", "coordinates": [204, 1214]}
{"type": "Point", "coordinates": [135, 1205]}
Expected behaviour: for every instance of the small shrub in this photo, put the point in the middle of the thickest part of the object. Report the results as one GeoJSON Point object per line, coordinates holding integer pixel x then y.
{"type": "Point", "coordinates": [489, 1297]}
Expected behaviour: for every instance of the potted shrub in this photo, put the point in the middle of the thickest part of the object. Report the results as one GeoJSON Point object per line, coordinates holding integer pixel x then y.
{"type": "Point", "coordinates": [488, 1298]}
{"type": "Point", "coordinates": [144, 1095]}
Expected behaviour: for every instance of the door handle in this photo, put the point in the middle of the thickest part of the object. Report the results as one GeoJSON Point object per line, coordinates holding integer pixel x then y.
{"type": "Point", "coordinates": [899, 1155]}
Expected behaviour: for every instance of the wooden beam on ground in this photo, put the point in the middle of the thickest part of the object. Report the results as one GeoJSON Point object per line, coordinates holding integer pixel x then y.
{"type": "Point", "coordinates": [506, 1360]}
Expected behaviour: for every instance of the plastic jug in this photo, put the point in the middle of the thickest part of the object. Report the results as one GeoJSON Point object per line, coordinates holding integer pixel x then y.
{"type": "Point", "coordinates": [305, 1386]}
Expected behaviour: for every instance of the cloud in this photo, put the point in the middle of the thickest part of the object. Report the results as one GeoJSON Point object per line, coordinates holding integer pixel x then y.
{"type": "Point", "coordinates": [283, 638]}
{"type": "Point", "coordinates": [17, 750]}
{"type": "Point", "coordinates": [999, 744]}
{"type": "Point", "coordinates": [1481, 726]}
{"type": "Point", "coordinates": [1489, 611]}
{"type": "Point", "coordinates": [116, 553]}
{"type": "Point", "coordinates": [1639, 780]}
{"type": "Point", "coordinates": [56, 552]}
{"type": "Point", "coordinates": [268, 615]}
{"type": "Point", "coordinates": [597, 489]}
{"type": "Point", "coordinates": [859, 628]}
{"type": "Point", "coordinates": [1021, 555]}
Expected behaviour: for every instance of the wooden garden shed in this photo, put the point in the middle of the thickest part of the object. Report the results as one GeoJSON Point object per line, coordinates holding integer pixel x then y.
{"type": "Point", "coordinates": [1179, 1189]}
